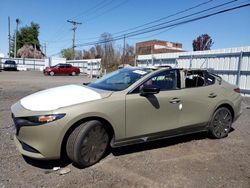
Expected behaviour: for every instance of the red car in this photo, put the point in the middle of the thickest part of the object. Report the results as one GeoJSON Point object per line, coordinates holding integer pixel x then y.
{"type": "Point", "coordinates": [61, 69]}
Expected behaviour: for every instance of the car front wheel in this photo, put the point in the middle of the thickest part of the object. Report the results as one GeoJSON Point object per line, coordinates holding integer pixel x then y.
{"type": "Point", "coordinates": [87, 144]}
{"type": "Point", "coordinates": [221, 123]}
{"type": "Point", "coordinates": [51, 73]}
{"type": "Point", "coordinates": [73, 73]}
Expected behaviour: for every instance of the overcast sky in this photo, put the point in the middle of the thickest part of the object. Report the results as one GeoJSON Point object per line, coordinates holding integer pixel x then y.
{"type": "Point", "coordinates": [231, 29]}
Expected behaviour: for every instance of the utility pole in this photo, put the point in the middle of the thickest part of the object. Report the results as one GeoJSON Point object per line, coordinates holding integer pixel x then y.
{"type": "Point", "coordinates": [74, 30]}
{"type": "Point", "coordinates": [124, 44]}
{"type": "Point", "coordinates": [9, 34]}
{"type": "Point", "coordinates": [15, 50]}
{"type": "Point", "coordinates": [45, 49]}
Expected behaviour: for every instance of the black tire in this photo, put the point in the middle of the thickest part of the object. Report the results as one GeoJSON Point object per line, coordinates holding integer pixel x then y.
{"type": "Point", "coordinates": [87, 144]}
{"type": "Point", "coordinates": [221, 123]}
{"type": "Point", "coordinates": [51, 73]}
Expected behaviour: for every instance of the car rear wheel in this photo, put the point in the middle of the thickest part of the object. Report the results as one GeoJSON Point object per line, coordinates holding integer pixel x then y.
{"type": "Point", "coordinates": [221, 123]}
{"type": "Point", "coordinates": [73, 73]}
{"type": "Point", "coordinates": [51, 73]}
{"type": "Point", "coordinates": [87, 144]}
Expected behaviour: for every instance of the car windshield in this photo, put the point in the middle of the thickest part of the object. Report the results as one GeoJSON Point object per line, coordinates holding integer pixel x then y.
{"type": "Point", "coordinates": [10, 62]}
{"type": "Point", "coordinates": [120, 79]}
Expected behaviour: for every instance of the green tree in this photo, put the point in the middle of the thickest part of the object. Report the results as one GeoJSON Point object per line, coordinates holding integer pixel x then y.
{"type": "Point", "coordinates": [67, 53]}
{"type": "Point", "coordinates": [28, 35]}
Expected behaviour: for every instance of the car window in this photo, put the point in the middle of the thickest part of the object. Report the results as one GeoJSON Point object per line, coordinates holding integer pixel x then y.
{"type": "Point", "coordinates": [166, 80]}
{"type": "Point", "coordinates": [120, 79]}
{"type": "Point", "coordinates": [68, 66]}
{"type": "Point", "coordinates": [61, 66]}
{"type": "Point", "coordinates": [10, 62]}
{"type": "Point", "coordinates": [194, 79]}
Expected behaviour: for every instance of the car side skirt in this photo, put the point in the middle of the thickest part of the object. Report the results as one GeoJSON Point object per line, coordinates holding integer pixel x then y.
{"type": "Point", "coordinates": [160, 135]}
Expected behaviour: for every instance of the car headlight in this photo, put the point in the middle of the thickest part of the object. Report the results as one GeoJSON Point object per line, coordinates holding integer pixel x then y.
{"type": "Point", "coordinates": [36, 120]}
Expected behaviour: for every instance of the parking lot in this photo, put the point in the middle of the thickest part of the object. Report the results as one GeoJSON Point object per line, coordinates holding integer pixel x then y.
{"type": "Point", "coordinates": [187, 161]}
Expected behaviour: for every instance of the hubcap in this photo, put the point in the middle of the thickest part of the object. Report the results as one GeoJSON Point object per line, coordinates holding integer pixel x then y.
{"type": "Point", "coordinates": [222, 123]}
{"type": "Point", "coordinates": [73, 73]}
{"type": "Point", "coordinates": [94, 145]}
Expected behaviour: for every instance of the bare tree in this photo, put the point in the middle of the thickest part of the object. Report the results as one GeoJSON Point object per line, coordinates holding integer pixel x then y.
{"type": "Point", "coordinates": [86, 54]}
{"type": "Point", "coordinates": [98, 49]}
{"type": "Point", "coordinates": [202, 42]}
{"type": "Point", "coordinates": [92, 52]}
{"type": "Point", "coordinates": [108, 51]}
{"type": "Point", "coordinates": [128, 57]}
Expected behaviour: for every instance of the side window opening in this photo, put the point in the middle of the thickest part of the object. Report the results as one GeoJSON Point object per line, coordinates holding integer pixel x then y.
{"type": "Point", "coordinates": [194, 79]}
{"type": "Point", "coordinates": [210, 79]}
{"type": "Point", "coordinates": [166, 80]}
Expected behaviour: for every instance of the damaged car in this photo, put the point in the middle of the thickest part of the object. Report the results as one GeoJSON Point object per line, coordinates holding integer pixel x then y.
{"type": "Point", "coordinates": [129, 106]}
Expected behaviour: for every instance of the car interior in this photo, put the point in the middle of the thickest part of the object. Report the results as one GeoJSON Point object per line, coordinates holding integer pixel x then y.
{"type": "Point", "coordinates": [194, 79]}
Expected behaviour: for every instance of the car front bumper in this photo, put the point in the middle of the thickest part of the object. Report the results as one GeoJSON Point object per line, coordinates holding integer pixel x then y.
{"type": "Point", "coordinates": [38, 141]}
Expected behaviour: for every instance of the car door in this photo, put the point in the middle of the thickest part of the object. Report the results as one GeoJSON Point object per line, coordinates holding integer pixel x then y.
{"type": "Point", "coordinates": [68, 69]}
{"type": "Point", "coordinates": [198, 99]}
{"type": "Point", "coordinates": [63, 69]}
{"type": "Point", "coordinates": [57, 69]}
{"type": "Point", "coordinates": [153, 113]}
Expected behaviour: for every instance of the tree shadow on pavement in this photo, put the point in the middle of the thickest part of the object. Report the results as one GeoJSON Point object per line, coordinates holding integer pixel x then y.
{"type": "Point", "coordinates": [158, 144]}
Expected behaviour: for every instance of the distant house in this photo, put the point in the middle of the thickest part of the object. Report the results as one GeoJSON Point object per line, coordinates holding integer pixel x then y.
{"type": "Point", "coordinates": [157, 46]}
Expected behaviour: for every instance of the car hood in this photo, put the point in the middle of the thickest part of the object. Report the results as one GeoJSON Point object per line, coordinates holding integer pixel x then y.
{"type": "Point", "coordinates": [54, 98]}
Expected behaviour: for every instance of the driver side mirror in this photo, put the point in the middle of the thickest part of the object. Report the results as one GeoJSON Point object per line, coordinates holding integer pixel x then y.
{"type": "Point", "coordinates": [149, 90]}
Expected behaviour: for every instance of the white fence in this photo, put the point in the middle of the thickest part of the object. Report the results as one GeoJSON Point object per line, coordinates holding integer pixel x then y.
{"type": "Point", "coordinates": [87, 66]}
{"type": "Point", "coordinates": [29, 64]}
{"type": "Point", "coordinates": [232, 64]}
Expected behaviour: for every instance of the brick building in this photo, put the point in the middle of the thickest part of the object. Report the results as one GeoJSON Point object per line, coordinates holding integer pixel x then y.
{"type": "Point", "coordinates": [157, 46]}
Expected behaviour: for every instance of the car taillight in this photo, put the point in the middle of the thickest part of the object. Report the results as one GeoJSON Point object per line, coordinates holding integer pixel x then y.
{"type": "Point", "coordinates": [237, 90]}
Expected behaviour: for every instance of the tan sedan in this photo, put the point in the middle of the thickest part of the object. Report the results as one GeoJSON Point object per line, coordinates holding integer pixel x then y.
{"type": "Point", "coordinates": [131, 105]}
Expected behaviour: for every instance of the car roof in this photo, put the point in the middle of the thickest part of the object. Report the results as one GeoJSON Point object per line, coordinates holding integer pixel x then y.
{"type": "Point", "coordinates": [175, 68]}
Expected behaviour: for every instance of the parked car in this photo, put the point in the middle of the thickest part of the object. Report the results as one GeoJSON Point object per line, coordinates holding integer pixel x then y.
{"type": "Point", "coordinates": [61, 69]}
{"type": "Point", "coordinates": [129, 106]}
{"type": "Point", "coordinates": [10, 65]}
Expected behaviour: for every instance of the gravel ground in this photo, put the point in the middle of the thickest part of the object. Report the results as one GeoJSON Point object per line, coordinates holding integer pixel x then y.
{"type": "Point", "coordinates": [187, 161]}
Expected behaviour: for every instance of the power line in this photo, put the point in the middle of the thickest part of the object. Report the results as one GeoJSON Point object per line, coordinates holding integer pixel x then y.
{"type": "Point", "coordinates": [180, 18]}
{"type": "Point", "coordinates": [166, 17]}
{"type": "Point", "coordinates": [183, 17]}
{"type": "Point", "coordinates": [109, 10]}
{"type": "Point", "coordinates": [64, 24]}
{"type": "Point", "coordinates": [98, 6]}
{"type": "Point", "coordinates": [180, 12]}
{"type": "Point", "coordinates": [159, 19]}
{"type": "Point", "coordinates": [167, 26]}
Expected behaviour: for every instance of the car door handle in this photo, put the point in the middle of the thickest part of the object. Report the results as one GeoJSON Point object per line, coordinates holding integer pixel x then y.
{"type": "Point", "coordinates": [212, 95]}
{"type": "Point", "coordinates": [175, 100]}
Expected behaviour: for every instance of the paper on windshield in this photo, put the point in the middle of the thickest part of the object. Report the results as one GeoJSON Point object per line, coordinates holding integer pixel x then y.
{"type": "Point", "coordinates": [140, 72]}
